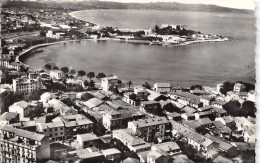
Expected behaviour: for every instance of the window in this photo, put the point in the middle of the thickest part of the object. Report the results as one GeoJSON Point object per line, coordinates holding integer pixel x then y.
{"type": "Point", "coordinates": [50, 135]}
{"type": "Point", "coordinates": [61, 133]}
{"type": "Point", "coordinates": [61, 128]}
{"type": "Point", "coordinates": [44, 130]}
{"type": "Point", "coordinates": [55, 129]}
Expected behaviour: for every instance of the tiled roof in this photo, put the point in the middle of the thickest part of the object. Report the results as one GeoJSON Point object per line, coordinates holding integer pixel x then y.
{"type": "Point", "coordinates": [222, 144]}
{"type": "Point", "coordinates": [150, 122]}
{"type": "Point", "coordinates": [162, 85]}
{"type": "Point", "coordinates": [200, 139]}
{"type": "Point", "coordinates": [23, 133]}
{"type": "Point", "coordinates": [88, 137]}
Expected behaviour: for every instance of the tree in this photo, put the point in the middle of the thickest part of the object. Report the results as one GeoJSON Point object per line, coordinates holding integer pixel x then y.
{"type": "Point", "coordinates": [55, 68]}
{"type": "Point", "coordinates": [233, 108]}
{"type": "Point", "coordinates": [92, 84]}
{"type": "Point", "coordinates": [47, 67]}
{"type": "Point", "coordinates": [193, 87]}
{"type": "Point", "coordinates": [91, 75]}
{"type": "Point", "coordinates": [119, 82]}
{"type": "Point", "coordinates": [72, 71]}
{"type": "Point", "coordinates": [81, 73]}
{"type": "Point", "coordinates": [42, 33]}
{"type": "Point", "coordinates": [227, 86]}
{"type": "Point", "coordinates": [147, 85]}
{"type": "Point", "coordinates": [100, 75]}
{"type": "Point", "coordinates": [65, 70]}
{"type": "Point", "coordinates": [249, 108]}
{"type": "Point", "coordinates": [86, 83]}
{"type": "Point", "coordinates": [156, 29]}
{"type": "Point", "coordinates": [129, 84]}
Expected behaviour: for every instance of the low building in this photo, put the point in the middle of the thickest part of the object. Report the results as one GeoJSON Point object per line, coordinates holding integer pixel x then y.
{"type": "Point", "coordinates": [238, 87]}
{"type": "Point", "coordinates": [229, 149]}
{"type": "Point", "coordinates": [23, 108]}
{"type": "Point", "coordinates": [88, 140]}
{"type": "Point", "coordinates": [131, 98]}
{"type": "Point", "coordinates": [251, 96]}
{"type": "Point", "coordinates": [247, 128]}
{"type": "Point", "coordinates": [157, 157]}
{"type": "Point", "coordinates": [23, 146]}
{"type": "Point", "coordinates": [162, 87]}
{"type": "Point", "coordinates": [198, 141]}
{"type": "Point", "coordinates": [60, 107]}
{"type": "Point", "coordinates": [126, 136]}
{"type": "Point", "coordinates": [170, 148]}
{"type": "Point", "coordinates": [111, 154]}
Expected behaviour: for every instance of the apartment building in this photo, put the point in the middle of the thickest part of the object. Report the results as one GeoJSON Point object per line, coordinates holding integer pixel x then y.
{"type": "Point", "coordinates": [21, 146]}
{"type": "Point", "coordinates": [25, 85]}
{"type": "Point", "coordinates": [149, 128]}
{"type": "Point", "coordinates": [55, 130]}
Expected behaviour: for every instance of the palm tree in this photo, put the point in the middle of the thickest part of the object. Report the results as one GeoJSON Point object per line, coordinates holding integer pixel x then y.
{"type": "Point", "coordinates": [129, 84]}
{"type": "Point", "coordinates": [119, 82]}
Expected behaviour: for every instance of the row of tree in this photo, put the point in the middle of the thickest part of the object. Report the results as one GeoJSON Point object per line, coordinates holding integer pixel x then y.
{"type": "Point", "coordinates": [234, 108]}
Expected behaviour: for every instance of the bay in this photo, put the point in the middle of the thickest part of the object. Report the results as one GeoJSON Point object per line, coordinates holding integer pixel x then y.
{"type": "Point", "coordinates": [204, 63]}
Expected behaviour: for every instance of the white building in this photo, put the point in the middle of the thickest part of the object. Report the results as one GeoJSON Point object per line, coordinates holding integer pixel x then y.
{"type": "Point", "coordinates": [251, 96]}
{"type": "Point", "coordinates": [108, 82]}
{"type": "Point", "coordinates": [25, 85]}
{"type": "Point", "coordinates": [238, 87]}
{"type": "Point", "coordinates": [162, 87]}
{"type": "Point", "coordinates": [22, 108]}
{"type": "Point", "coordinates": [56, 74]}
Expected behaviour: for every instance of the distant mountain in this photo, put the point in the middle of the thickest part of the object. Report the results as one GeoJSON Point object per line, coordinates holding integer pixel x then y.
{"type": "Point", "coordinates": [88, 4]}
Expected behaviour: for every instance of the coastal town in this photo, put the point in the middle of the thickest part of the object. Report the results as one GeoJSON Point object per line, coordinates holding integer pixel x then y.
{"type": "Point", "coordinates": [60, 114]}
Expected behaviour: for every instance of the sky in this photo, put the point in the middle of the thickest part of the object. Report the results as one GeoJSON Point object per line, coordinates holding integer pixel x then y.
{"type": "Point", "coordinates": [239, 4]}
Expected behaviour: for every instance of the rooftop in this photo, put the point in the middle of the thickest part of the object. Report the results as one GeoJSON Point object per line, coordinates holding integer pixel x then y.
{"type": "Point", "coordinates": [111, 151]}
{"type": "Point", "coordinates": [150, 122]}
{"type": "Point", "coordinates": [23, 133]}
{"type": "Point", "coordinates": [88, 137]}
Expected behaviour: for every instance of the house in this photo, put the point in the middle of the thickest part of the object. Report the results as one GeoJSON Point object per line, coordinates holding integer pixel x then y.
{"type": "Point", "coordinates": [140, 92]}
{"type": "Point", "coordinates": [45, 97]}
{"type": "Point", "coordinates": [56, 74]}
{"type": "Point", "coordinates": [23, 108]}
{"type": "Point", "coordinates": [229, 149]}
{"type": "Point", "coordinates": [155, 156]}
{"type": "Point", "coordinates": [117, 119]}
{"type": "Point", "coordinates": [247, 128]}
{"type": "Point", "coordinates": [205, 100]}
{"type": "Point", "coordinates": [155, 96]}
{"type": "Point", "coordinates": [93, 102]}
{"type": "Point", "coordinates": [147, 106]}
{"type": "Point", "coordinates": [130, 160]}
{"type": "Point", "coordinates": [150, 128]}
{"type": "Point", "coordinates": [227, 121]}
{"type": "Point", "coordinates": [75, 124]}
{"type": "Point", "coordinates": [108, 83]}
{"type": "Point", "coordinates": [9, 118]}
{"type": "Point", "coordinates": [61, 108]}
{"type": "Point", "coordinates": [162, 87]}
{"type": "Point", "coordinates": [54, 130]}
{"type": "Point", "coordinates": [131, 98]}
{"type": "Point", "coordinates": [200, 123]}
{"type": "Point", "coordinates": [218, 103]}
{"type": "Point", "coordinates": [86, 156]}
{"type": "Point", "coordinates": [88, 140]}
{"type": "Point", "coordinates": [221, 130]}
{"type": "Point", "coordinates": [112, 120]}
{"type": "Point", "coordinates": [168, 147]}
{"type": "Point", "coordinates": [25, 146]}
{"type": "Point", "coordinates": [198, 141]}
{"type": "Point", "coordinates": [127, 137]}
{"type": "Point", "coordinates": [111, 154]}
{"type": "Point", "coordinates": [143, 156]}
{"type": "Point", "coordinates": [238, 87]}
